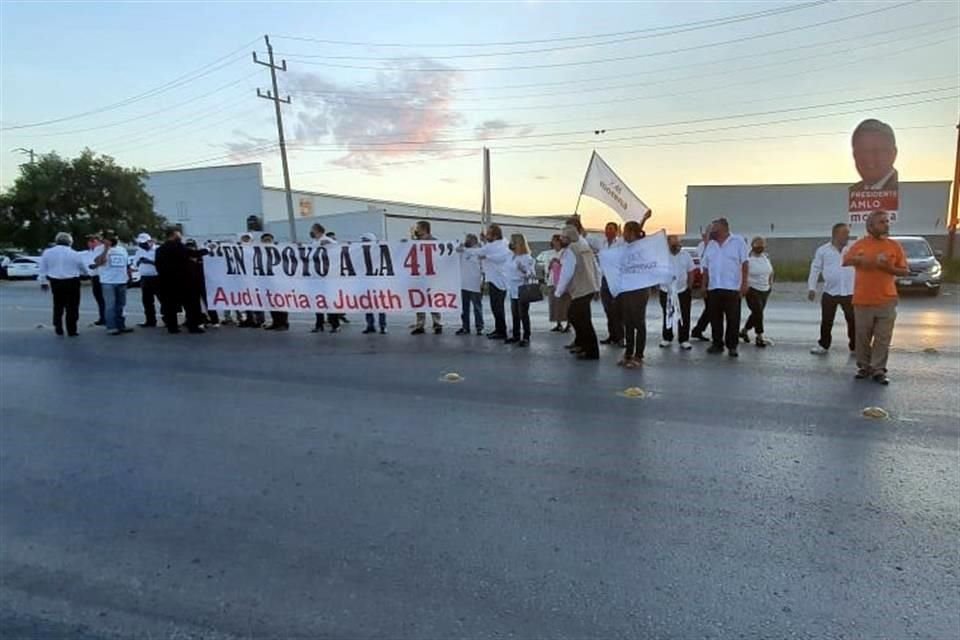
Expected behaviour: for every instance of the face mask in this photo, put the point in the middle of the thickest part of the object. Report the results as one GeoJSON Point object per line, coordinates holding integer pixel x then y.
{"type": "Point", "coordinates": [144, 245]}
{"type": "Point", "coordinates": [674, 249]}
{"type": "Point", "coordinates": [758, 249]}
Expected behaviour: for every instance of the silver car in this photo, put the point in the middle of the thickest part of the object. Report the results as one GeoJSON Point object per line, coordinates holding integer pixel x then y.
{"type": "Point", "coordinates": [926, 272]}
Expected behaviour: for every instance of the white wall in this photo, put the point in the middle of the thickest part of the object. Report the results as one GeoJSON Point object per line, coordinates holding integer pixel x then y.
{"type": "Point", "coordinates": [210, 201]}
{"type": "Point", "coordinates": [809, 210]}
{"type": "Point", "coordinates": [347, 226]}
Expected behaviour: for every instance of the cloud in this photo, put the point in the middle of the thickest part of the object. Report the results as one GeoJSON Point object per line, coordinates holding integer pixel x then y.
{"type": "Point", "coordinates": [498, 128]}
{"type": "Point", "coordinates": [448, 180]}
{"type": "Point", "coordinates": [403, 113]}
{"type": "Point", "coordinates": [247, 146]}
{"type": "Point", "coordinates": [541, 177]}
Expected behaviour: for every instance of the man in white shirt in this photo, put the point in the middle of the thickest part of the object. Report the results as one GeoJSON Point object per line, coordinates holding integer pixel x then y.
{"type": "Point", "coordinates": [495, 255]}
{"type": "Point", "coordinates": [114, 268]}
{"type": "Point", "coordinates": [615, 328]}
{"type": "Point", "coordinates": [683, 269]}
{"type": "Point", "coordinates": [145, 259]}
{"type": "Point", "coordinates": [60, 271]}
{"type": "Point", "coordinates": [95, 249]}
{"type": "Point", "coordinates": [725, 278]}
{"type": "Point", "coordinates": [471, 286]}
{"type": "Point", "coordinates": [837, 287]}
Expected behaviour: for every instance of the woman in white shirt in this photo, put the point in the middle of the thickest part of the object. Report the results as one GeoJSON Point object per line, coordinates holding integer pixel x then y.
{"type": "Point", "coordinates": [759, 281]}
{"type": "Point", "coordinates": [520, 270]}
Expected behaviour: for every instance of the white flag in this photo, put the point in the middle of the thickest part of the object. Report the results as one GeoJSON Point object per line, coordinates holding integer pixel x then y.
{"type": "Point", "coordinates": [637, 265]}
{"type": "Point", "coordinates": [604, 185]}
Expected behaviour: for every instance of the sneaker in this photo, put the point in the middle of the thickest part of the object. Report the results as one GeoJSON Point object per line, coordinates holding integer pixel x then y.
{"type": "Point", "coordinates": [881, 378]}
{"type": "Point", "coordinates": [818, 351]}
{"type": "Point", "coordinates": [745, 336]}
{"type": "Point", "coordinates": [760, 342]}
{"type": "Point", "coordinates": [480, 331]}
{"type": "Point", "coordinates": [383, 331]}
{"type": "Point", "coordinates": [715, 349]}
{"type": "Point", "coordinates": [418, 331]}
{"type": "Point", "coordinates": [686, 346]}
{"type": "Point", "coordinates": [862, 374]}
{"type": "Point", "coordinates": [665, 344]}
{"type": "Point", "coordinates": [462, 332]}
{"type": "Point", "coordinates": [368, 330]}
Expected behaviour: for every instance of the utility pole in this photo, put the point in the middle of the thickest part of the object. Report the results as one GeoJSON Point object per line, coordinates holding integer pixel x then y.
{"type": "Point", "coordinates": [274, 96]}
{"type": "Point", "coordinates": [486, 214]}
{"type": "Point", "coordinates": [28, 152]}
{"type": "Point", "coordinates": [952, 229]}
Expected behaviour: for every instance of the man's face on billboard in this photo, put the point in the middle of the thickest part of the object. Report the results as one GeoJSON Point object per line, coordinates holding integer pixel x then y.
{"type": "Point", "coordinates": [874, 155]}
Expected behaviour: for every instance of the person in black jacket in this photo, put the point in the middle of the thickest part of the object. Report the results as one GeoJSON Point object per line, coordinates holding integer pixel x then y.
{"type": "Point", "coordinates": [178, 288]}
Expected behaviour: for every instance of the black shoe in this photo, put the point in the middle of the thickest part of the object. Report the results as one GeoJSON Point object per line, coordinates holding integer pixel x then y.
{"type": "Point", "coordinates": [462, 332]}
{"type": "Point", "coordinates": [196, 330]}
{"type": "Point", "coordinates": [173, 330]}
{"type": "Point", "coordinates": [147, 325]}
{"type": "Point", "coordinates": [100, 323]}
{"type": "Point", "coordinates": [480, 331]}
{"type": "Point", "coordinates": [383, 331]}
{"type": "Point", "coordinates": [334, 329]}
{"type": "Point", "coordinates": [567, 328]}
{"type": "Point", "coordinates": [59, 332]}
{"type": "Point", "coordinates": [73, 335]}
{"type": "Point", "coordinates": [881, 378]}
{"type": "Point", "coordinates": [745, 337]}
{"type": "Point", "coordinates": [761, 342]}
{"type": "Point", "coordinates": [572, 345]}
{"type": "Point", "coordinates": [556, 328]}
{"type": "Point", "coordinates": [368, 330]}
{"type": "Point", "coordinates": [607, 341]}
{"type": "Point", "coordinates": [511, 341]}
{"type": "Point", "coordinates": [282, 327]}
{"type": "Point", "coordinates": [584, 356]}
{"type": "Point", "coordinates": [699, 336]}
{"type": "Point", "coordinates": [715, 349]}
{"type": "Point", "coordinates": [317, 329]}
{"type": "Point", "coordinates": [126, 330]}
{"type": "Point", "coordinates": [733, 353]}
{"type": "Point", "coordinates": [524, 343]}
{"type": "Point", "coordinates": [437, 330]}
{"type": "Point", "coordinates": [418, 331]}
{"type": "Point", "coordinates": [862, 374]}
{"type": "Point", "coordinates": [496, 336]}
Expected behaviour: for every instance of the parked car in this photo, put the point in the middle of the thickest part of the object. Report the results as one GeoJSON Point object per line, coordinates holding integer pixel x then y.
{"type": "Point", "coordinates": [24, 267]}
{"type": "Point", "coordinates": [697, 275]}
{"type": "Point", "coordinates": [926, 272]}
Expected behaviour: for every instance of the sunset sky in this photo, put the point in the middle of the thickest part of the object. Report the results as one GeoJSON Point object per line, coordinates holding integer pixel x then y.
{"type": "Point", "coordinates": [688, 93]}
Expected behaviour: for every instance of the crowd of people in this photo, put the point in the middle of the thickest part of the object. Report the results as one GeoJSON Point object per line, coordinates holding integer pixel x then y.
{"type": "Point", "coordinates": [858, 278]}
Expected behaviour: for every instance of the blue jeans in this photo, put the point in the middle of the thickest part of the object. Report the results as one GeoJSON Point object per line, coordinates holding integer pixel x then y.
{"type": "Point", "coordinates": [114, 301]}
{"type": "Point", "coordinates": [471, 299]}
{"type": "Point", "coordinates": [381, 317]}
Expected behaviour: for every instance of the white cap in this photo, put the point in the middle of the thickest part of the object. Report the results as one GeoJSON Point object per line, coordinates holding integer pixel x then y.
{"type": "Point", "coordinates": [368, 237]}
{"type": "Point", "coordinates": [143, 237]}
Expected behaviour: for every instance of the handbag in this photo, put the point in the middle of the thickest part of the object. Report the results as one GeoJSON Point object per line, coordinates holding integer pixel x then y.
{"type": "Point", "coordinates": [530, 292]}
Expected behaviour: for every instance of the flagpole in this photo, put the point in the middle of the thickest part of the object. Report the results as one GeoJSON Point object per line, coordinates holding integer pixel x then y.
{"type": "Point", "coordinates": [585, 176]}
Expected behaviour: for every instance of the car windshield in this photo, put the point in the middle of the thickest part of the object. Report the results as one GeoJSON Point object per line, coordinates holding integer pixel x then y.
{"type": "Point", "coordinates": [916, 248]}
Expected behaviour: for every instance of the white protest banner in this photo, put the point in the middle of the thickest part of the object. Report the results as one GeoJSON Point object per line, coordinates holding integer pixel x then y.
{"type": "Point", "coordinates": [604, 185]}
{"type": "Point", "coordinates": [637, 265]}
{"type": "Point", "coordinates": [370, 277]}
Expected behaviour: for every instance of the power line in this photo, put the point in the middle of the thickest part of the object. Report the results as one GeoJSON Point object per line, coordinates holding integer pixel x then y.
{"type": "Point", "coordinates": [394, 143]}
{"type": "Point", "coordinates": [389, 97]}
{"type": "Point", "coordinates": [637, 35]}
{"type": "Point", "coordinates": [196, 74]}
{"type": "Point", "coordinates": [557, 65]}
{"type": "Point", "coordinates": [711, 21]}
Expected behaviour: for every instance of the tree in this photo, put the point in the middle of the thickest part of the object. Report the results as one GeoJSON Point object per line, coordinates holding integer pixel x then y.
{"type": "Point", "coordinates": [85, 195]}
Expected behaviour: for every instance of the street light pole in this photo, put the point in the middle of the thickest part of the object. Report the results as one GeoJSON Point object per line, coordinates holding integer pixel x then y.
{"type": "Point", "coordinates": [25, 151]}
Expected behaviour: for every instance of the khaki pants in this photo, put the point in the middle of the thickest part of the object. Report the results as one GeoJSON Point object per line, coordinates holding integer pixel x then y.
{"type": "Point", "coordinates": [422, 320]}
{"type": "Point", "coordinates": [874, 327]}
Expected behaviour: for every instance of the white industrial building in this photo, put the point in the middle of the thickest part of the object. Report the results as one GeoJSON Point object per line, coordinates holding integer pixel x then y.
{"type": "Point", "coordinates": [796, 218]}
{"type": "Point", "coordinates": [215, 202]}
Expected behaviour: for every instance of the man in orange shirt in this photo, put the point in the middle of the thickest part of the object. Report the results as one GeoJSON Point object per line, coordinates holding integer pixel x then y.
{"type": "Point", "coordinates": [878, 261]}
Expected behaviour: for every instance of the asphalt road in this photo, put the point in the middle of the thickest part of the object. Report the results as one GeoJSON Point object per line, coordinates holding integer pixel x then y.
{"type": "Point", "coordinates": [243, 484]}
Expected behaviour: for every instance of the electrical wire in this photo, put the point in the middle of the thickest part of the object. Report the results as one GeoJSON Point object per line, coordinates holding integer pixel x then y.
{"type": "Point", "coordinates": [646, 35]}
{"type": "Point", "coordinates": [615, 34]}
{"type": "Point", "coordinates": [651, 54]}
{"type": "Point", "coordinates": [196, 74]}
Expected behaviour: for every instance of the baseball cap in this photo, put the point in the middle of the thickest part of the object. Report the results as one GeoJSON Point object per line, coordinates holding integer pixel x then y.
{"type": "Point", "coordinates": [143, 237]}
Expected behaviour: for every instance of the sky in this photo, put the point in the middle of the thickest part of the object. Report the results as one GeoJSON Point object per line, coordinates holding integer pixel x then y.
{"type": "Point", "coordinates": [396, 100]}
